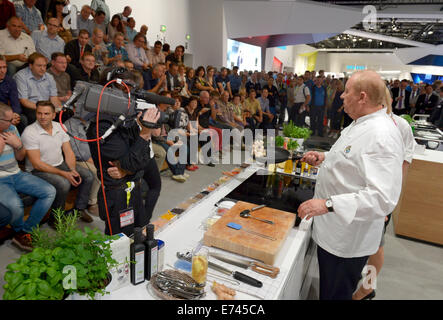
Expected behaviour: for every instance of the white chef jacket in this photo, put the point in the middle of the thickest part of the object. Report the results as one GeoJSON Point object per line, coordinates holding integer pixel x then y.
{"type": "Point", "coordinates": [362, 174]}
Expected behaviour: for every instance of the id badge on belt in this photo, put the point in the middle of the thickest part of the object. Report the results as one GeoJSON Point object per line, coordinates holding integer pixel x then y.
{"type": "Point", "coordinates": [127, 215]}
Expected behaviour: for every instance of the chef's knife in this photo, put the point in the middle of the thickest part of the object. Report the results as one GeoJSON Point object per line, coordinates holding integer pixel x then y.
{"type": "Point", "coordinates": [237, 275]}
{"type": "Point", "coordinates": [256, 266]}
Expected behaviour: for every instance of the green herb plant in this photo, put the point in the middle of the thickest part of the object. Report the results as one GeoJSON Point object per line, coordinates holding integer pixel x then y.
{"type": "Point", "coordinates": [292, 145]}
{"type": "Point", "coordinates": [279, 141]}
{"type": "Point", "coordinates": [87, 251]}
{"type": "Point", "coordinates": [292, 131]}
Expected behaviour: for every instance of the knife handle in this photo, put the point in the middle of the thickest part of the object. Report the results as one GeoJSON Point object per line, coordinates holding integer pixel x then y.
{"type": "Point", "coordinates": [247, 279]}
{"type": "Point", "coordinates": [265, 269]}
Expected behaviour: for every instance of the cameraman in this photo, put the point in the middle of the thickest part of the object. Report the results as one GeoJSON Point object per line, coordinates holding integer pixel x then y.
{"type": "Point", "coordinates": [126, 157]}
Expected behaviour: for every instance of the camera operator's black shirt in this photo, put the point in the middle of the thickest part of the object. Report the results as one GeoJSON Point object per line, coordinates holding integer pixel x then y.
{"type": "Point", "coordinates": [124, 145]}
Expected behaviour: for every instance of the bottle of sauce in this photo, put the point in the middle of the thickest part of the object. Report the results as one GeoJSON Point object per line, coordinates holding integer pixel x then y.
{"type": "Point", "coordinates": [151, 253]}
{"type": "Point", "coordinates": [138, 257]}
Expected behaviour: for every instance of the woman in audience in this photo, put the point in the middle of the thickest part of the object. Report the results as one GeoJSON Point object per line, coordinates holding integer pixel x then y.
{"type": "Point", "coordinates": [200, 82]}
{"type": "Point", "coordinates": [336, 109]}
{"type": "Point", "coordinates": [185, 92]}
{"type": "Point", "coordinates": [56, 11]}
{"type": "Point", "coordinates": [114, 26]}
{"type": "Point", "coordinates": [244, 80]}
{"type": "Point", "coordinates": [210, 77]}
{"type": "Point", "coordinates": [190, 80]}
{"type": "Point", "coordinates": [237, 109]}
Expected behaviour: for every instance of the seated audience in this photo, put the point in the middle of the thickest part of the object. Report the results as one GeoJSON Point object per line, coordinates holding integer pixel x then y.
{"type": "Point", "coordinates": [129, 65]}
{"type": "Point", "coordinates": [176, 57]}
{"type": "Point", "coordinates": [116, 25]}
{"type": "Point", "coordinates": [166, 49]}
{"type": "Point", "coordinates": [13, 181]}
{"type": "Point", "coordinates": [99, 49]}
{"type": "Point", "coordinates": [210, 77]}
{"type": "Point", "coordinates": [30, 15]}
{"type": "Point", "coordinates": [83, 21]}
{"type": "Point", "coordinates": [155, 79]}
{"type": "Point", "coordinates": [100, 23]}
{"type": "Point", "coordinates": [9, 96]}
{"type": "Point", "coordinates": [50, 157]}
{"type": "Point", "coordinates": [185, 92]}
{"type": "Point", "coordinates": [77, 126]}
{"type": "Point", "coordinates": [200, 82]}
{"type": "Point", "coordinates": [156, 55]}
{"type": "Point", "coordinates": [56, 11]}
{"type": "Point", "coordinates": [62, 79]}
{"type": "Point", "coordinates": [177, 169]}
{"type": "Point", "coordinates": [116, 51]}
{"type": "Point", "coordinates": [235, 80]}
{"type": "Point", "coordinates": [15, 45]}
{"type": "Point", "coordinates": [7, 10]}
{"type": "Point", "coordinates": [253, 107]}
{"type": "Point", "coordinates": [268, 117]}
{"type": "Point", "coordinates": [47, 41]}
{"type": "Point", "coordinates": [137, 53]}
{"type": "Point", "coordinates": [130, 30]}
{"type": "Point", "coordinates": [35, 84]}
{"type": "Point", "coordinates": [124, 16]}
{"type": "Point", "coordinates": [76, 48]}
{"type": "Point", "coordinates": [172, 82]}
{"type": "Point", "coordinates": [237, 110]}
{"type": "Point", "coordinates": [86, 71]}
{"type": "Point", "coordinates": [223, 82]}
{"type": "Point", "coordinates": [101, 5]}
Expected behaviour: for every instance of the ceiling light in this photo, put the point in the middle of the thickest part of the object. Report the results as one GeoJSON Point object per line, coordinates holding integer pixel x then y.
{"type": "Point", "coordinates": [369, 40]}
{"type": "Point", "coordinates": [381, 43]}
{"type": "Point", "coordinates": [354, 39]}
{"type": "Point", "coordinates": [430, 32]}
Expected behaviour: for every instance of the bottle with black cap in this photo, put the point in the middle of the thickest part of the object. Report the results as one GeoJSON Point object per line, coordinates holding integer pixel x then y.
{"type": "Point", "coordinates": [138, 258]}
{"type": "Point", "coordinates": [151, 252]}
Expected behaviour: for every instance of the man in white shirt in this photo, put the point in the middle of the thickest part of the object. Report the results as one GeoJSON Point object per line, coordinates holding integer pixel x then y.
{"type": "Point", "coordinates": [358, 185]}
{"type": "Point", "coordinates": [50, 157]}
{"type": "Point", "coordinates": [15, 45]}
{"type": "Point", "coordinates": [302, 97]}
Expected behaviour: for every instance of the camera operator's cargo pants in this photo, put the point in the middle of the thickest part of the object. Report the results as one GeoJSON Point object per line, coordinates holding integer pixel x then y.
{"type": "Point", "coordinates": [118, 205]}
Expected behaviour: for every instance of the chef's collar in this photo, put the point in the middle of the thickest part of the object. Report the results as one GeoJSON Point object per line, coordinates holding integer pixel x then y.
{"type": "Point", "coordinates": [371, 115]}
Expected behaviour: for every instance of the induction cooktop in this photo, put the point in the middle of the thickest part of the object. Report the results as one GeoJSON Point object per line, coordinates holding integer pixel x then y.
{"type": "Point", "coordinates": [275, 190]}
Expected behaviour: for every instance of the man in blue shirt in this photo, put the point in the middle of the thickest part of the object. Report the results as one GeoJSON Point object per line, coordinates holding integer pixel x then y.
{"type": "Point", "coordinates": [130, 31]}
{"type": "Point", "coordinates": [155, 78]}
{"type": "Point", "coordinates": [9, 96]}
{"type": "Point", "coordinates": [235, 80]}
{"type": "Point", "coordinates": [116, 51]}
{"type": "Point", "coordinates": [30, 15]}
{"type": "Point", "coordinates": [35, 84]}
{"type": "Point", "coordinates": [48, 41]}
{"type": "Point", "coordinates": [318, 105]}
{"type": "Point", "coordinates": [223, 82]}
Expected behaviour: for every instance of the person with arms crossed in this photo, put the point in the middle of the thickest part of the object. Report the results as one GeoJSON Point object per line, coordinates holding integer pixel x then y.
{"type": "Point", "coordinates": [14, 181]}
{"type": "Point", "coordinates": [358, 185]}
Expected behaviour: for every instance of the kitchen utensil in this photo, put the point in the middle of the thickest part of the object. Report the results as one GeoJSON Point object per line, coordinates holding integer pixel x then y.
{"type": "Point", "coordinates": [172, 285]}
{"type": "Point", "coordinates": [247, 214]}
{"type": "Point", "coordinates": [237, 226]}
{"type": "Point", "coordinates": [256, 266]}
{"type": "Point", "coordinates": [237, 275]}
{"type": "Point", "coordinates": [280, 155]}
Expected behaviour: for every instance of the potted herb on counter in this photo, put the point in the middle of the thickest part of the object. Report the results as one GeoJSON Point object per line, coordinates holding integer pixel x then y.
{"type": "Point", "coordinates": [87, 254]}
{"type": "Point", "coordinates": [298, 133]}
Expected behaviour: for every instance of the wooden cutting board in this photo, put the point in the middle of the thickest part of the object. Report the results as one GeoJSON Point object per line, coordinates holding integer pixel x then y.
{"type": "Point", "coordinates": [246, 244]}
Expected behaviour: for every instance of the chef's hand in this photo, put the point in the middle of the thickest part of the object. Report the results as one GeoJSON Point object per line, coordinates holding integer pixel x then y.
{"type": "Point", "coordinates": [115, 172]}
{"type": "Point", "coordinates": [312, 208]}
{"type": "Point", "coordinates": [313, 158]}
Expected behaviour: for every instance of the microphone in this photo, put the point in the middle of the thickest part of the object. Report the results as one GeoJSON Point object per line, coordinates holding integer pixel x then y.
{"type": "Point", "coordinates": [153, 97]}
{"type": "Point", "coordinates": [78, 91]}
{"type": "Point", "coordinates": [116, 124]}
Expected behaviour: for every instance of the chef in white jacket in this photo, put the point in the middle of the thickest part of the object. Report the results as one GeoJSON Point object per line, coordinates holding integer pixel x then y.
{"type": "Point", "coordinates": [358, 185]}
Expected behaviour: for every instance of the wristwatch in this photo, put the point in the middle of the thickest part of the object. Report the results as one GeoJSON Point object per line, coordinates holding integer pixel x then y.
{"type": "Point", "coordinates": [329, 205]}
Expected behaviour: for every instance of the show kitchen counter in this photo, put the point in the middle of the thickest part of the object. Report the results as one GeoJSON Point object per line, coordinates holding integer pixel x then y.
{"type": "Point", "coordinates": [294, 258]}
{"type": "Point", "coordinates": [419, 213]}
